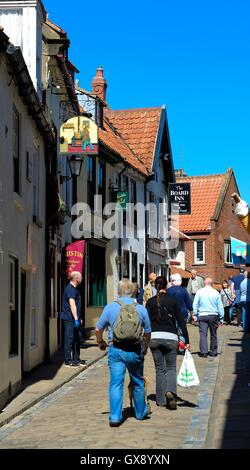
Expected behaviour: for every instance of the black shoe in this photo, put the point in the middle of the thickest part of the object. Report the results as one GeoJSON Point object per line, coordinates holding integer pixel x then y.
{"type": "Point", "coordinates": [202, 354]}
{"type": "Point", "coordinates": [212, 355]}
{"type": "Point", "coordinates": [171, 401]}
{"type": "Point", "coordinates": [115, 424]}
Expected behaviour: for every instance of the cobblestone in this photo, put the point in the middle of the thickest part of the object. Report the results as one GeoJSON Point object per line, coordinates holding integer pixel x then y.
{"type": "Point", "coordinates": [75, 416]}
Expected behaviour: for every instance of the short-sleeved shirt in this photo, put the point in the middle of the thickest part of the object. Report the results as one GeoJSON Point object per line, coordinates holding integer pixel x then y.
{"type": "Point", "coordinates": [70, 292]}
{"type": "Point", "coordinates": [111, 311]}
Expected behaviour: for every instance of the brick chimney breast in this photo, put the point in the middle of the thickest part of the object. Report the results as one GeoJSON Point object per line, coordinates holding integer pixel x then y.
{"type": "Point", "coordinates": [99, 84]}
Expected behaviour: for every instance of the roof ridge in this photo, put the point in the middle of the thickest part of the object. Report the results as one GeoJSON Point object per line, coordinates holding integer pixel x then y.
{"type": "Point", "coordinates": [201, 176]}
{"type": "Point", "coordinates": [153, 108]}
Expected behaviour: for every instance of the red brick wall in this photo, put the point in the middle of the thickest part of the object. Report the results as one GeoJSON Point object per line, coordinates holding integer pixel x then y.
{"type": "Point", "coordinates": [227, 225]}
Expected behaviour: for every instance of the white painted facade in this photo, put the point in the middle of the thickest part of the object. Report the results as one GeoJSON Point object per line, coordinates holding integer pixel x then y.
{"type": "Point", "coordinates": [22, 22]}
{"type": "Point", "coordinates": [22, 240]}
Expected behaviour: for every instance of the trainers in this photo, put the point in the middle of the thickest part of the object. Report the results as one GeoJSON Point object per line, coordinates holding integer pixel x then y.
{"type": "Point", "coordinates": [171, 401]}
{"type": "Point", "coordinates": [71, 364]}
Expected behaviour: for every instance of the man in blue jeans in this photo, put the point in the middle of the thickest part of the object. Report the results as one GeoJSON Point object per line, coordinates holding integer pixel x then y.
{"type": "Point", "coordinates": [71, 316]}
{"type": "Point", "coordinates": [123, 355]}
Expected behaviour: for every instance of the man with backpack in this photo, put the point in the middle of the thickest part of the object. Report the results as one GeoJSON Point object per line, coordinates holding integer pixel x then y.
{"type": "Point", "coordinates": [128, 336]}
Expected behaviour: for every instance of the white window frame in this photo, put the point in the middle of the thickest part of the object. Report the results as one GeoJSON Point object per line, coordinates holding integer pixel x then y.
{"type": "Point", "coordinates": [196, 261]}
{"type": "Point", "coordinates": [227, 243]}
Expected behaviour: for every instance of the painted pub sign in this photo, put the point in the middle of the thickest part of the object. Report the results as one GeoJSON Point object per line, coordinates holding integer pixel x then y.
{"type": "Point", "coordinates": [79, 136]}
{"type": "Point", "coordinates": [179, 198]}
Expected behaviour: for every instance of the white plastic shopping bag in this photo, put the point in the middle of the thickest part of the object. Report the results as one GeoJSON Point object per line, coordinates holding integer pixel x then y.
{"type": "Point", "coordinates": [188, 376]}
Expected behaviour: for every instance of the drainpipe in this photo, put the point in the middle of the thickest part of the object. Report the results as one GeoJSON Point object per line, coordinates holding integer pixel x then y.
{"type": "Point", "coordinates": [119, 239]}
{"type": "Point", "coordinates": [146, 235]}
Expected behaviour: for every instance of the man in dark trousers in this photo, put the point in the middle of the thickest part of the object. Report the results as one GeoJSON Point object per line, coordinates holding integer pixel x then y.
{"type": "Point", "coordinates": [71, 317]}
{"type": "Point", "coordinates": [209, 312]}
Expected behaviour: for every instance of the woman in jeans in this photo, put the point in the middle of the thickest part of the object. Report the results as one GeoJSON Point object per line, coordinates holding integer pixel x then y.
{"type": "Point", "coordinates": [164, 313]}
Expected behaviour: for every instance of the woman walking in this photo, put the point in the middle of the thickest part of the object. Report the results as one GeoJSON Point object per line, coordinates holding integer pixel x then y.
{"type": "Point", "coordinates": [226, 298]}
{"type": "Point", "coordinates": [164, 315]}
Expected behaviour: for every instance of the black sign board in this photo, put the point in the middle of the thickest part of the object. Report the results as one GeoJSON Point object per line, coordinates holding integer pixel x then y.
{"type": "Point", "coordinates": [179, 198]}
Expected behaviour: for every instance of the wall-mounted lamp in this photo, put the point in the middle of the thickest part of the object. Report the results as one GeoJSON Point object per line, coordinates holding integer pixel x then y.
{"type": "Point", "coordinates": [75, 164]}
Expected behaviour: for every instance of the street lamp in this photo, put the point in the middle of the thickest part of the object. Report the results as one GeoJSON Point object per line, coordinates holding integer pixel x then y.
{"type": "Point", "coordinates": [75, 164]}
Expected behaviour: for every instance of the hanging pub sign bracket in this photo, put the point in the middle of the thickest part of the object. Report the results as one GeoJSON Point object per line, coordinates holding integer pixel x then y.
{"type": "Point", "coordinates": [79, 136]}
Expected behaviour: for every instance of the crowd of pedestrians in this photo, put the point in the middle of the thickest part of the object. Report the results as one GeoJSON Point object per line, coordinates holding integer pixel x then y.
{"type": "Point", "coordinates": [154, 318]}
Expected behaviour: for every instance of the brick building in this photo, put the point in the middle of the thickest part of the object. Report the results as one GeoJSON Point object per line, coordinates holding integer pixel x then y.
{"type": "Point", "coordinates": [205, 243]}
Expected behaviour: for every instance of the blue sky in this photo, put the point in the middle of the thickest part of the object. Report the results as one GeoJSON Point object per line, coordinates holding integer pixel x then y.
{"type": "Point", "coordinates": [191, 55]}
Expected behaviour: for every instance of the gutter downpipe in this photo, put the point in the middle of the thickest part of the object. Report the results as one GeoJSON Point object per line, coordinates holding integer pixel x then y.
{"type": "Point", "coordinates": [119, 239]}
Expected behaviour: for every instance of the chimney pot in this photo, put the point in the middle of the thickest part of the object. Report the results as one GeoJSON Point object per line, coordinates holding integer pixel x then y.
{"type": "Point", "coordinates": [99, 84]}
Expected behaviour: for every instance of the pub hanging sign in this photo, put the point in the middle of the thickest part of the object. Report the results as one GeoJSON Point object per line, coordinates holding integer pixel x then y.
{"type": "Point", "coordinates": [79, 136]}
{"type": "Point", "coordinates": [179, 198]}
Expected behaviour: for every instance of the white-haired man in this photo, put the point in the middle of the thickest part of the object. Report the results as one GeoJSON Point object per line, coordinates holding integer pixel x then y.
{"type": "Point", "coordinates": [71, 317]}
{"type": "Point", "coordinates": [125, 354]}
{"type": "Point", "coordinates": [194, 284]}
{"type": "Point", "coordinates": [209, 311]}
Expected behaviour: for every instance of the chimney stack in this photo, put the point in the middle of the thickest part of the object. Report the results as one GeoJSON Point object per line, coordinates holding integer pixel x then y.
{"type": "Point", "coordinates": [99, 85]}
{"type": "Point", "coordinates": [180, 173]}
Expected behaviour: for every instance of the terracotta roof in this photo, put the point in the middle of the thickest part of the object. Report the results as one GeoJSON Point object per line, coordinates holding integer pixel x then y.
{"type": "Point", "coordinates": [205, 192]}
{"type": "Point", "coordinates": [113, 140]}
{"type": "Point", "coordinates": [139, 128]}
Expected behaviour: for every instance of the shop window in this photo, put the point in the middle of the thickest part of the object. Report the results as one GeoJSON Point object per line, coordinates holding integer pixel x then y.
{"type": "Point", "coordinates": [97, 296]}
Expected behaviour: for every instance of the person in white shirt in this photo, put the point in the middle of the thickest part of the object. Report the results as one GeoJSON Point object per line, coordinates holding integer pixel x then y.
{"type": "Point", "coordinates": [209, 312]}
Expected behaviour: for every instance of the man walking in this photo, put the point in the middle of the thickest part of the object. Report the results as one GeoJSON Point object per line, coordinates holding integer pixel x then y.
{"type": "Point", "coordinates": [194, 284]}
{"type": "Point", "coordinates": [125, 353]}
{"type": "Point", "coordinates": [71, 317]}
{"type": "Point", "coordinates": [209, 312]}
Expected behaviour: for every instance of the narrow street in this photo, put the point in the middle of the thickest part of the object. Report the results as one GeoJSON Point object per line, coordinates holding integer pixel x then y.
{"type": "Point", "coordinates": [76, 415]}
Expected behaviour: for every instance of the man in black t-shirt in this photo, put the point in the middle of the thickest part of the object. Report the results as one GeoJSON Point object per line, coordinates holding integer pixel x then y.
{"type": "Point", "coordinates": [71, 317]}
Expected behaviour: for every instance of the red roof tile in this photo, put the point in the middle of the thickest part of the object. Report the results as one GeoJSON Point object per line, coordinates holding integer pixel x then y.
{"type": "Point", "coordinates": [112, 139]}
{"type": "Point", "coordinates": [139, 128]}
{"type": "Point", "coordinates": [205, 192]}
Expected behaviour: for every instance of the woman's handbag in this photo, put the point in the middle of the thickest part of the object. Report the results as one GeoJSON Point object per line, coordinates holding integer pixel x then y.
{"type": "Point", "coordinates": [188, 376]}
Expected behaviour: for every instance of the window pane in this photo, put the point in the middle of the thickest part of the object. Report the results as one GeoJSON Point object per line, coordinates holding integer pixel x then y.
{"type": "Point", "coordinates": [97, 278]}
{"type": "Point", "coordinates": [227, 252]}
{"type": "Point", "coordinates": [199, 250]}
{"type": "Point", "coordinates": [125, 264]}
